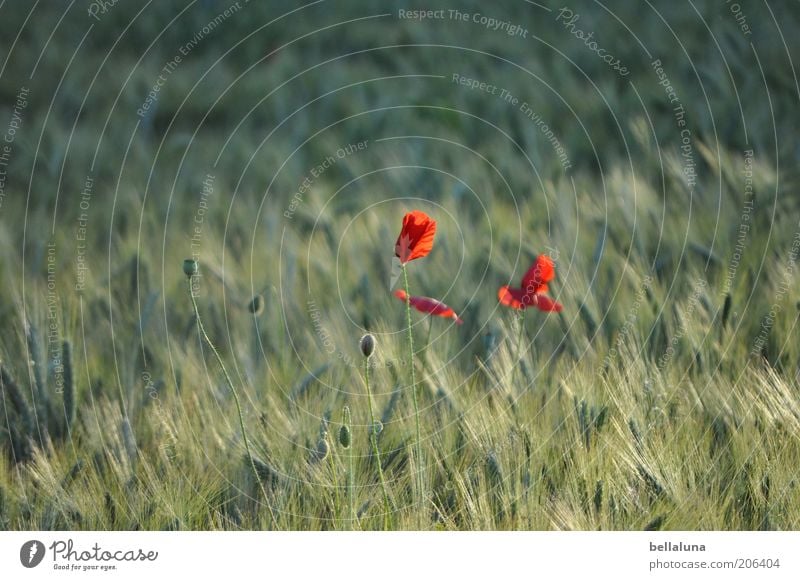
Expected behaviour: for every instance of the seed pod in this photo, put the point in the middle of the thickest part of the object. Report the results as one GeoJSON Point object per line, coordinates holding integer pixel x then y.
{"type": "Point", "coordinates": [367, 345]}
{"type": "Point", "coordinates": [256, 305]}
{"type": "Point", "coordinates": [190, 267]}
{"type": "Point", "coordinates": [344, 436]}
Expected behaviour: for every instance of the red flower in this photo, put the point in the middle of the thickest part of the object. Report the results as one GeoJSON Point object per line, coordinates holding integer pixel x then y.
{"type": "Point", "coordinates": [429, 306]}
{"type": "Point", "coordinates": [416, 237]}
{"type": "Point", "coordinates": [534, 286]}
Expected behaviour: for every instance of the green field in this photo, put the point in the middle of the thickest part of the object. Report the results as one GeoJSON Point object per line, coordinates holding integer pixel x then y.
{"type": "Point", "coordinates": [651, 152]}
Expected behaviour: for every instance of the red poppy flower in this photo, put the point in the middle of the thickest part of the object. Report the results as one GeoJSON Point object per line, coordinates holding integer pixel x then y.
{"type": "Point", "coordinates": [429, 306]}
{"type": "Point", "coordinates": [416, 237]}
{"type": "Point", "coordinates": [534, 286]}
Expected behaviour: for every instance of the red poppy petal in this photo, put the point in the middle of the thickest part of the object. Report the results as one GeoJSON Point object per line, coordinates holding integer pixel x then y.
{"type": "Point", "coordinates": [547, 304]}
{"type": "Point", "coordinates": [402, 248]}
{"type": "Point", "coordinates": [416, 236]}
{"type": "Point", "coordinates": [429, 305]}
{"type": "Point", "coordinates": [424, 243]}
{"type": "Point", "coordinates": [422, 304]}
{"type": "Point", "coordinates": [540, 273]}
{"type": "Point", "coordinates": [511, 297]}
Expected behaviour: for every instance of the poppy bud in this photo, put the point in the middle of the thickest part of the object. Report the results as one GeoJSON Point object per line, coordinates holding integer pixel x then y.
{"type": "Point", "coordinates": [256, 305]}
{"type": "Point", "coordinates": [190, 267]}
{"type": "Point", "coordinates": [377, 427]}
{"type": "Point", "coordinates": [367, 345]}
{"type": "Point", "coordinates": [344, 436]}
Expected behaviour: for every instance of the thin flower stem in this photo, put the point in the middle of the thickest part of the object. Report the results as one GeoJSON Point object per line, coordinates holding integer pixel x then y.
{"type": "Point", "coordinates": [419, 463]}
{"type": "Point", "coordinates": [338, 505]}
{"type": "Point", "coordinates": [351, 477]}
{"type": "Point", "coordinates": [374, 438]}
{"type": "Point", "coordinates": [518, 356]}
{"type": "Point", "coordinates": [351, 471]}
{"type": "Point", "coordinates": [235, 398]}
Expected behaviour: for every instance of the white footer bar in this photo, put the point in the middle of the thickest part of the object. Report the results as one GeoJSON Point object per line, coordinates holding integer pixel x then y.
{"type": "Point", "coordinates": [401, 555]}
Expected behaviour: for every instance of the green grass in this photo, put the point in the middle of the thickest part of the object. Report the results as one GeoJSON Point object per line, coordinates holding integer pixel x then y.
{"type": "Point", "coordinates": [646, 404]}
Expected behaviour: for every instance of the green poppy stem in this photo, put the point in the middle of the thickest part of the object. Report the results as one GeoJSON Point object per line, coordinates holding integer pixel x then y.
{"type": "Point", "coordinates": [518, 356]}
{"type": "Point", "coordinates": [235, 398]}
{"type": "Point", "coordinates": [418, 446]}
{"type": "Point", "coordinates": [374, 438]}
{"type": "Point", "coordinates": [336, 498]}
{"type": "Point", "coordinates": [351, 486]}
